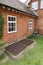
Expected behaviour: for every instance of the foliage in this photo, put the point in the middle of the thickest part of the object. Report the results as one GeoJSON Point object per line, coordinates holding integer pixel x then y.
{"type": "Point", "coordinates": [35, 35]}
{"type": "Point", "coordinates": [2, 57]}
{"type": "Point", "coordinates": [2, 42]}
{"type": "Point", "coordinates": [1, 26]}
{"type": "Point", "coordinates": [33, 57]}
{"type": "Point", "coordinates": [30, 36]}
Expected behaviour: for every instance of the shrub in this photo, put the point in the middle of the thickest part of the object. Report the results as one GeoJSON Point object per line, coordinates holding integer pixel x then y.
{"type": "Point", "coordinates": [30, 36]}
{"type": "Point", "coordinates": [2, 42]}
{"type": "Point", "coordinates": [1, 26]}
{"type": "Point", "coordinates": [2, 57]}
{"type": "Point", "coordinates": [2, 47]}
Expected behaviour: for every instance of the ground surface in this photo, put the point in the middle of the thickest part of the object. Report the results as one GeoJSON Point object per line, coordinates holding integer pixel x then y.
{"type": "Point", "coordinates": [33, 57]}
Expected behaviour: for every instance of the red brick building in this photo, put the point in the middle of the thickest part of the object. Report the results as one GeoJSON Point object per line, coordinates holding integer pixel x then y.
{"type": "Point", "coordinates": [20, 21]}
{"type": "Point", "coordinates": [37, 6]}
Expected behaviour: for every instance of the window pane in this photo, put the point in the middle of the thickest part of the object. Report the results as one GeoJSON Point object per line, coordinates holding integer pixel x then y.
{"type": "Point", "coordinates": [11, 18]}
{"type": "Point", "coordinates": [14, 27]}
{"type": "Point", "coordinates": [11, 24]}
{"type": "Point", "coordinates": [30, 24]}
{"type": "Point", "coordinates": [9, 29]}
{"type": "Point", "coordinates": [8, 18]}
{"type": "Point", "coordinates": [14, 18]}
{"type": "Point", "coordinates": [41, 4]}
{"type": "Point", "coordinates": [35, 5]}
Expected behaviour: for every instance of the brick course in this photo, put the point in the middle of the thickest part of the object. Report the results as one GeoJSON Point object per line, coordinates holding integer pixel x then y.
{"type": "Point", "coordinates": [22, 26]}
{"type": "Point", "coordinates": [39, 21]}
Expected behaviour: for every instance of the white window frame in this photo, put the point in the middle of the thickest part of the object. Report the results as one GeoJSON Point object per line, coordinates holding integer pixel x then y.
{"type": "Point", "coordinates": [30, 22]}
{"type": "Point", "coordinates": [11, 22]}
{"type": "Point", "coordinates": [41, 4]}
{"type": "Point", "coordinates": [35, 5]}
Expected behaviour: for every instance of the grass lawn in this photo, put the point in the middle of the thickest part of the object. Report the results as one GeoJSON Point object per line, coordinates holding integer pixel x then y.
{"type": "Point", "coordinates": [33, 57]}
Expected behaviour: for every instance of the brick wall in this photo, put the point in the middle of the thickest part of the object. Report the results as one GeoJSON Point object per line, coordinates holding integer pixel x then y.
{"type": "Point", "coordinates": [39, 21]}
{"type": "Point", "coordinates": [22, 26]}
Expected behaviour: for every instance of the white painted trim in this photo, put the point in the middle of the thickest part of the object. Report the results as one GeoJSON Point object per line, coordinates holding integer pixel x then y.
{"type": "Point", "coordinates": [11, 21]}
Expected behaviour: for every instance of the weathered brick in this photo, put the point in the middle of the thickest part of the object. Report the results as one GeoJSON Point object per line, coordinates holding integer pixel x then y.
{"type": "Point", "coordinates": [22, 26]}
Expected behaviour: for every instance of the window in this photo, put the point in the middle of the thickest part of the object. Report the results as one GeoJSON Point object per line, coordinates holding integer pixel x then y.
{"type": "Point", "coordinates": [12, 26]}
{"type": "Point", "coordinates": [35, 5]}
{"type": "Point", "coordinates": [41, 6]}
{"type": "Point", "coordinates": [30, 24]}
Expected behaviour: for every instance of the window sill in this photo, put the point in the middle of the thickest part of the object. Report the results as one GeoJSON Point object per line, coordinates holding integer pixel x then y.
{"type": "Point", "coordinates": [12, 32]}
{"type": "Point", "coordinates": [35, 10]}
{"type": "Point", "coordinates": [41, 8]}
{"type": "Point", "coordinates": [30, 28]}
